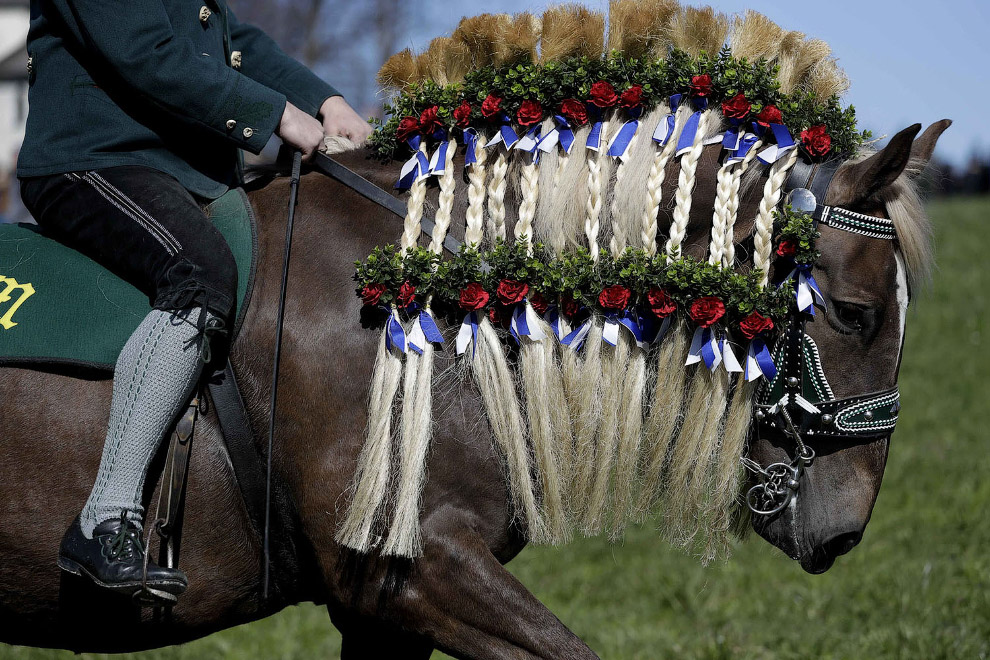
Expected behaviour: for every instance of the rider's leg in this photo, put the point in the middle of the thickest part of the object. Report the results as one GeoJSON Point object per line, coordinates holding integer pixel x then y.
{"type": "Point", "coordinates": [145, 227]}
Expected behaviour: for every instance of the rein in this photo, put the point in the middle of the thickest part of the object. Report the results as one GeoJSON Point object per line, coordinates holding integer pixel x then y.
{"type": "Point", "coordinates": [326, 165]}
{"type": "Point", "coordinates": [798, 402]}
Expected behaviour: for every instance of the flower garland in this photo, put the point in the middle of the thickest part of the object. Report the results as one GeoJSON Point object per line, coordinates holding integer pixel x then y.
{"type": "Point", "coordinates": [579, 90]}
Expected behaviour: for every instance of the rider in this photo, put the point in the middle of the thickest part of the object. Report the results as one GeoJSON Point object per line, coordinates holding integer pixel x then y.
{"type": "Point", "coordinates": [137, 112]}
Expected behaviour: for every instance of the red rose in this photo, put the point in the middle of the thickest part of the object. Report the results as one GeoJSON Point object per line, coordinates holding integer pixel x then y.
{"type": "Point", "coordinates": [510, 292]}
{"type": "Point", "coordinates": [575, 112]}
{"type": "Point", "coordinates": [787, 248]}
{"type": "Point", "coordinates": [473, 297]}
{"type": "Point", "coordinates": [407, 127]}
{"type": "Point", "coordinates": [428, 121]}
{"type": "Point", "coordinates": [754, 324]}
{"type": "Point", "coordinates": [569, 306]}
{"type": "Point", "coordinates": [530, 112]}
{"type": "Point", "coordinates": [707, 310]}
{"type": "Point", "coordinates": [407, 294]}
{"type": "Point", "coordinates": [661, 304]}
{"type": "Point", "coordinates": [816, 141]}
{"type": "Point", "coordinates": [603, 94]}
{"type": "Point", "coordinates": [614, 297]}
{"type": "Point", "coordinates": [701, 85]}
{"type": "Point", "coordinates": [632, 97]}
{"type": "Point", "coordinates": [769, 115]}
{"type": "Point", "coordinates": [540, 304]}
{"type": "Point", "coordinates": [737, 107]}
{"type": "Point", "coordinates": [371, 293]}
{"type": "Point", "coordinates": [462, 114]}
{"type": "Point", "coordinates": [491, 107]}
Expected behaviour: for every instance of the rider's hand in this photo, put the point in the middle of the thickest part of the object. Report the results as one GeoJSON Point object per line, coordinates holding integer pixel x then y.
{"type": "Point", "coordinates": [339, 118]}
{"type": "Point", "coordinates": [300, 130]}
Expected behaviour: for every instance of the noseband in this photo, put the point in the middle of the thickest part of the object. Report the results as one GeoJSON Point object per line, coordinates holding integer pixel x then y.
{"type": "Point", "coordinates": [798, 402]}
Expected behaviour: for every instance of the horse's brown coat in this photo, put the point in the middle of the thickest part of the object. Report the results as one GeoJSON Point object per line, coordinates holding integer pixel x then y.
{"type": "Point", "coordinates": [457, 597]}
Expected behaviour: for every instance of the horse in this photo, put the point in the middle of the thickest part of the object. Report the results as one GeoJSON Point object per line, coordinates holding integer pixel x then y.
{"type": "Point", "coordinates": [457, 597]}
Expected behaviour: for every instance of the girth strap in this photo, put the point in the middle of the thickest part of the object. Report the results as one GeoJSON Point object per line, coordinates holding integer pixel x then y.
{"type": "Point", "coordinates": [239, 438]}
{"type": "Point", "coordinates": [323, 163]}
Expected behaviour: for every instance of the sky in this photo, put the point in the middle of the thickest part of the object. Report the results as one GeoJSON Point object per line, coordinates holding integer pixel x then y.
{"type": "Point", "coordinates": [909, 61]}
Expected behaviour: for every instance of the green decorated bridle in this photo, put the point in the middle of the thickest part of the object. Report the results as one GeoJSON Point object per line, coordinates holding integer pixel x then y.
{"type": "Point", "coordinates": [798, 402]}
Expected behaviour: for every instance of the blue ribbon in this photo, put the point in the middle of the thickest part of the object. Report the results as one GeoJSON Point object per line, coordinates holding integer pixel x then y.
{"type": "Point", "coordinates": [565, 133]}
{"type": "Point", "coordinates": [689, 132]}
{"type": "Point", "coordinates": [759, 352]}
{"type": "Point", "coordinates": [782, 136]}
{"type": "Point", "coordinates": [733, 135]}
{"type": "Point", "coordinates": [470, 321]}
{"type": "Point", "coordinates": [395, 336]}
{"type": "Point", "coordinates": [746, 143]}
{"type": "Point", "coordinates": [552, 317]}
{"type": "Point", "coordinates": [806, 291]}
{"type": "Point", "coordinates": [415, 167]}
{"type": "Point", "coordinates": [707, 353]}
{"type": "Point", "coordinates": [509, 137]}
{"type": "Point", "coordinates": [471, 142]}
{"type": "Point", "coordinates": [620, 143]}
{"type": "Point", "coordinates": [575, 339]}
{"type": "Point", "coordinates": [441, 159]}
{"type": "Point", "coordinates": [430, 328]}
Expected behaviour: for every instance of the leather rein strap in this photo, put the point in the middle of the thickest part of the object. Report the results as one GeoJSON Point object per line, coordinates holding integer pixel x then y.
{"type": "Point", "coordinates": [326, 165]}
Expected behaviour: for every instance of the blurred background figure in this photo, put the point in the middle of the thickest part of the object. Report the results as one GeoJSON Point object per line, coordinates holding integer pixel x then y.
{"type": "Point", "coordinates": [14, 15]}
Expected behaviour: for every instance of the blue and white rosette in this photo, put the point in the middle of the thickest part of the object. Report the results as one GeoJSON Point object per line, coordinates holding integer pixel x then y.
{"type": "Point", "coordinates": [615, 320]}
{"type": "Point", "coordinates": [575, 338]}
{"type": "Point", "coordinates": [785, 144]}
{"type": "Point", "coordinates": [525, 323]}
{"type": "Point", "coordinates": [562, 134]}
{"type": "Point", "coordinates": [530, 142]}
{"type": "Point", "coordinates": [505, 136]}
{"type": "Point", "coordinates": [759, 362]}
{"type": "Point", "coordinates": [416, 168]}
{"type": "Point", "coordinates": [424, 330]}
{"type": "Point", "coordinates": [806, 290]}
{"type": "Point", "coordinates": [395, 335]}
{"type": "Point", "coordinates": [468, 333]}
{"type": "Point", "coordinates": [438, 164]}
{"type": "Point", "coordinates": [619, 146]}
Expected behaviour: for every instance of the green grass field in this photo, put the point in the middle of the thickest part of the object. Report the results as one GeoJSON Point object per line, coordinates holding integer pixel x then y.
{"type": "Point", "coordinates": [918, 586]}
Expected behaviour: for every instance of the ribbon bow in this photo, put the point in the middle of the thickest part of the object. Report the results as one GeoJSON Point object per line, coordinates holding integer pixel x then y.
{"type": "Point", "coordinates": [807, 291]}
{"type": "Point", "coordinates": [619, 146]}
{"type": "Point", "coordinates": [690, 130]}
{"type": "Point", "coordinates": [561, 134]}
{"type": "Point", "coordinates": [505, 135]}
{"type": "Point", "coordinates": [759, 362]}
{"type": "Point", "coordinates": [525, 323]}
{"type": "Point", "coordinates": [416, 168]}
{"type": "Point", "coordinates": [627, 319]}
{"type": "Point", "coordinates": [785, 143]}
{"type": "Point", "coordinates": [468, 333]}
{"type": "Point", "coordinates": [395, 336]}
{"type": "Point", "coordinates": [424, 330]}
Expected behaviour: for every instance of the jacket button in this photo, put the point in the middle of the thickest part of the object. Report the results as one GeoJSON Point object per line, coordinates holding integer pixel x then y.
{"type": "Point", "coordinates": [204, 13]}
{"type": "Point", "coordinates": [235, 59]}
{"type": "Point", "coordinates": [231, 124]}
{"type": "Point", "coordinates": [248, 132]}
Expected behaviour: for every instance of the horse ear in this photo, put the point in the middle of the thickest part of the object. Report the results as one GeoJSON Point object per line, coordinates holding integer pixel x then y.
{"type": "Point", "coordinates": [863, 180]}
{"type": "Point", "coordinates": [924, 146]}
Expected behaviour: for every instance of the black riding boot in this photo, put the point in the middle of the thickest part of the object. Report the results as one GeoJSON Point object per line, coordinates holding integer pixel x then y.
{"type": "Point", "coordinates": [114, 559]}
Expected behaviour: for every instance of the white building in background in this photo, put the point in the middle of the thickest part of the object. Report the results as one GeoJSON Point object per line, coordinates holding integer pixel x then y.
{"type": "Point", "coordinates": [14, 18]}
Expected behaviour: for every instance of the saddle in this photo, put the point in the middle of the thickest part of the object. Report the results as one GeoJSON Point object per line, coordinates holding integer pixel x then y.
{"type": "Point", "coordinates": [61, 311]}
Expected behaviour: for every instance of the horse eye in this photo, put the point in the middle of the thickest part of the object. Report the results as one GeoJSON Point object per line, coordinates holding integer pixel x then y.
{"type": "Point", "coordinates": [849, 318]}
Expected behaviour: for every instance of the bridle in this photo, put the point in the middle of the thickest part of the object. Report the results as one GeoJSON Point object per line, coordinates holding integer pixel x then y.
{"type": "Point", "coordinates": [798, 402]}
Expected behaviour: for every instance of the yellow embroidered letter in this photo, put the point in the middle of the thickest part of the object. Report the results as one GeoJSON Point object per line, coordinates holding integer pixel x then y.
{"type": "Point", "coordinates": [9, 284]}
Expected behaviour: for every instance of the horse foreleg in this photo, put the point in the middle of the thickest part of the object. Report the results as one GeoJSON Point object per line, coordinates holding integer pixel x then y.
{"type": "Point", "coordinates": [372, 639]}
{"type": "Point", "coordinates": [461, 598]}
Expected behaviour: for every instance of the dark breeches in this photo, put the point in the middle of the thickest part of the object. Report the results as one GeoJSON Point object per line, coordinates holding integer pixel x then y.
{"type": "Point", "coordinates": [143, 226]}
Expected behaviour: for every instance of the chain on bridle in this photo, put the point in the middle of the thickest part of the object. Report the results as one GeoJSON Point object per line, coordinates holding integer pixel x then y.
{"type": "Point", "coordinates": [798, 402]}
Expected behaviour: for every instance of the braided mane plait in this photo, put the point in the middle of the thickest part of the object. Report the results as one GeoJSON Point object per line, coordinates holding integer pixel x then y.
{"type": "Point", "coordinates": [475, 214]}
{"type": "Point", "coordinates": [496, 196]}
{"type": "Point", "coordinates": [763, 227]}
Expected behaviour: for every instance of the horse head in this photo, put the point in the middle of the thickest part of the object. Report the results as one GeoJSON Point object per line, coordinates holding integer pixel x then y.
{"type": "Point", "coordinates": [858, 338]}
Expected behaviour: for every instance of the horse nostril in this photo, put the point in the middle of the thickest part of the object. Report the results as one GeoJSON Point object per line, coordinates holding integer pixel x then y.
{"type": "Point", "coordinates": [843, 543]}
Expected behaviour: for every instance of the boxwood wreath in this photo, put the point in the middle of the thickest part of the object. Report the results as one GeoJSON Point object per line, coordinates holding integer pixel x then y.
{"type": "Point", "coordinates": [580, 89]}
{"type": "Point", "coordinates": [653, 288]}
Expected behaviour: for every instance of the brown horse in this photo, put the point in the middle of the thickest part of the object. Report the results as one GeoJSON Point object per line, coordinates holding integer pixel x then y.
{"type": "Point", "coordinates": [457, 597]}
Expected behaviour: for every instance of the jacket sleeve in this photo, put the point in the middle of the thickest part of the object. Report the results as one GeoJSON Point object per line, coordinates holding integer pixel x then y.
{"type": "Point", "coordinates": [136, 40]}
{"type": "Point", "coordinates": [264, 61]}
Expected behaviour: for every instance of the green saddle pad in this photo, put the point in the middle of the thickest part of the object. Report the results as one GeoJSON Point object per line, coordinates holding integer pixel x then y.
{"type": "Point", "coordinates": [60, 307]}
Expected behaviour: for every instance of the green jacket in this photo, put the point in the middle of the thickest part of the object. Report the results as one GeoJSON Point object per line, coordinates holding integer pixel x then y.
{"type": "Point", "coordinates": [152, 82]}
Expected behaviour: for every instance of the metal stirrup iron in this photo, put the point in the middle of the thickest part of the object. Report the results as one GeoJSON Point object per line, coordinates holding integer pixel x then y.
{"type": "Point", "coordinates": [293, 196]}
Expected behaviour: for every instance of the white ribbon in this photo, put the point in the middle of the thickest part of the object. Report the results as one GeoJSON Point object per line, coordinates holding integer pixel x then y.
{"type": "Point", "coordinates": [729, 360]}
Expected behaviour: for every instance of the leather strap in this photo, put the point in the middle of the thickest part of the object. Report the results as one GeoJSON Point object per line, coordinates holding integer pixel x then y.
{"type": "Point", "coordinates": [235, 427]}
{"type": "Point", "coordinates": [816, 177]}
{"type": "Point", "coordinates": [326, 165]}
